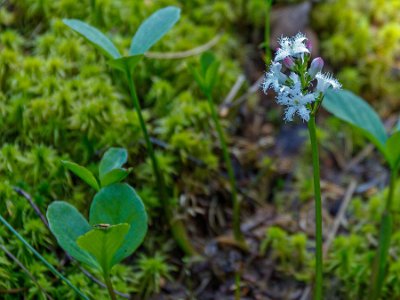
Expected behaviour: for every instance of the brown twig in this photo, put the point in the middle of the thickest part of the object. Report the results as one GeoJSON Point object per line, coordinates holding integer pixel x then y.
{"type": "Point", "coordinates": [33, 204]}
{"type": "Point", "coordinates": [25, 269]}
{"type": "Point", "coordinates": [224, 107]}
{"type": "Point", "coordinates": [252, 89]}
{"type": "Point", "coordinates": [340, 215]}
{"type": "Point", "coordinates": [185, 54]}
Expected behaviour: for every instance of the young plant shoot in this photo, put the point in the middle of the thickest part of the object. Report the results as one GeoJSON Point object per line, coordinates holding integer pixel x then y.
{"type": "Point", "coordinates": [149, 32]}
{"type": "Point", "coordinates": [117, 219]}
{"type": "Point", "coordinates": [302, 92]}
{"type": "Point", "coordinates": [206, 77]}
{"type": "Point", "coordinates": [356, 111]}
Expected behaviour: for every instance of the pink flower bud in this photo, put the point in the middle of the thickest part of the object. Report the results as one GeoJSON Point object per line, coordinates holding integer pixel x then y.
{"type": "Point", "coordinates": [309, 45]}
{"type": "Point", "coordinates": [288, 62]}
{"type": "Point", "coordinates": [316, 66]}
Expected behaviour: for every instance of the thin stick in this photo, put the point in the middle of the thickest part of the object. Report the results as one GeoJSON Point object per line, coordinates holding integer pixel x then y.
{"type": "Point", "coordinates": [318, 209]}
{"type": "Point", "coordinates": [21, 265]}
{"type": "Point", "coordinates": [185, 54]}
{"type": "Point", "coordinates": [340, 215]}
{"type": "Point", "coordinates": [33, 204]}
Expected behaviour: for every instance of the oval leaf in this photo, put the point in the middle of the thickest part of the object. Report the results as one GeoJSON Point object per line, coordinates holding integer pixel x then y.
{"type": "Point", "coordinates": [153, 29]}
{"type": "Point", "coordinates": [354, 110]}
{"type": "Point", "coordinates": [114, 176]}
{"type": "Point", "coordinates": [112, 159]}
{"type": "Point", "coordinates": [67, 224]}
{"type": "Point", "coordinates": [103, 243]}
{"type": "Point", "coordinates": [95, 36]}
{"type": "Point", "coordinates": [116, 204]}
{"type": "Point", "coordinates": [82, 173]}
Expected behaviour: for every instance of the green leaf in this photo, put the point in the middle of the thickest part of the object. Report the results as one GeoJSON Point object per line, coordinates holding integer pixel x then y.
{"type": "Point", "coordinates": [356, 111]}
{"type": "Point", "coordinates": [103, 243]}
{"type": "Point", "coordinates": [393, 150]}
{"type": "Point", "coordinates": [67, 224]}
{"type": "Point", "coordinates": [113, 158]}
{"type": "Point", "coordinates": [206, 60]}
{"type": "Point", "coordinates": [93, 35]}
{"type": "Point", "coordinates": [127, 63]}
{"type": "Point", "coordinates": [206, 76]}
{"type": "Point", "coordinates": [198, 77]}
{"type": "Point", "coordinates": [114, 176]}
{"type": "Point", "coordinates": [212, 75]}
{"type": "Point", "coordinates": [82, 173]}
{"type": "Point", "coordinates": [153, 29]}
{"type": "Point", "coordinates": [116, 204]}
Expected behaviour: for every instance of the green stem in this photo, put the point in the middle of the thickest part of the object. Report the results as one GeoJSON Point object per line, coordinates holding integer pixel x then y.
{"type": "Point", "coordinates": [318, 209]}
{"type": "Point", "coordinates": [41, 258]}
{"type": "Point", "coordinates": [385, 233]}
{"type": "Point", "coordinates": [110, 288]}
{"type": "Point", "coordinates": [392, 186]}
{"type": "Point", "coordinates": [177, 227]}
{"type": "Point", "coordinates": [228, 163]}
{"type": "Point", "coordinates": [267, 31]}
{"type": "Point", "coordinates": [237, 285]}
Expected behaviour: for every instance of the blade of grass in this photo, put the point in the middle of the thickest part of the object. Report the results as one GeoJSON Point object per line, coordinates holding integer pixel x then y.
{"type": "Point", "coordinates": [42, 259]}
{"type": "Point", "coordinates": [385, 233]}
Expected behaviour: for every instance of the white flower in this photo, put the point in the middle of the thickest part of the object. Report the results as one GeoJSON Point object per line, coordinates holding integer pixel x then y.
{"type": "Point", "coordinates": [285, 48]}
{"type": "Point", "coordinates": [295, 47]}
{"type": "Point", "coordinates": [298, 45]}
{"type": "Point", "coordinates": [325, 81]}
{"type": "Point", "coordinates": [294, 100]}
{"type": "Point", "coordinates": [274, 78]}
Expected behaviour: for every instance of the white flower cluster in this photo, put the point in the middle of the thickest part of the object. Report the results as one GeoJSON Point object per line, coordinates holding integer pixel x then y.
{"type": "Point", "coordinates": [296, 91]}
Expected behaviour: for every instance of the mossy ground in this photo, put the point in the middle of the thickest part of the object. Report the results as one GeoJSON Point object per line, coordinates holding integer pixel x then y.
{"type": "Point", "coordinates": [60, 100]}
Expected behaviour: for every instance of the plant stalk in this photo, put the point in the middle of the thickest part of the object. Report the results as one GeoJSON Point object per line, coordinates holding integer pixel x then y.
{"type": "Point", "coordinates": [177, 228]}
{"type": "Point", "coordinates": [110, 288]}
{"type": "Point", "coordinates": [385, 233]}
{"type": "Point", "coordinates": [267, 30]}
{"type": "Point", "coordinates": [42, 259]}
{"type": "Point", "coordinates": [237, 233]}
{"type": "Point", "coordinates": [318, 209]}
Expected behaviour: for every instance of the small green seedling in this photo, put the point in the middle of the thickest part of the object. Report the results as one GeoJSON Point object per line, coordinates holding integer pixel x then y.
{"type": "Point", "coordinates": [149, 32]}
{"type": "Point", "coordinates": [356, 111]}
{"type": "Point", "coordinates": [110, 169]}
{"type": "Point", "coordinates": [117, 219]}
{"type": "Point", "coordinates": [206, 77]}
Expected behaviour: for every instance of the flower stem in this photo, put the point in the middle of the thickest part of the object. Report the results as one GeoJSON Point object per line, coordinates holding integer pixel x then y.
{"type": "Point", "coordinates": [110, 288]}
{"type": "Point", "coordinates": [318, 209]}
{"type": "Point", "coordinates": [267, 31]}
{"type": "Point", "coordinates": [232, 180]}
{"type": "Point", "coordinates": [385, 233]}
{"type": "Point", "coordinates": [177, 228]}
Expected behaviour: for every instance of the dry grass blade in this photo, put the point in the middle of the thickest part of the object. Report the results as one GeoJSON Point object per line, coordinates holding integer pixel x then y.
{"type": "Point", "coordinates": [185, 54]}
